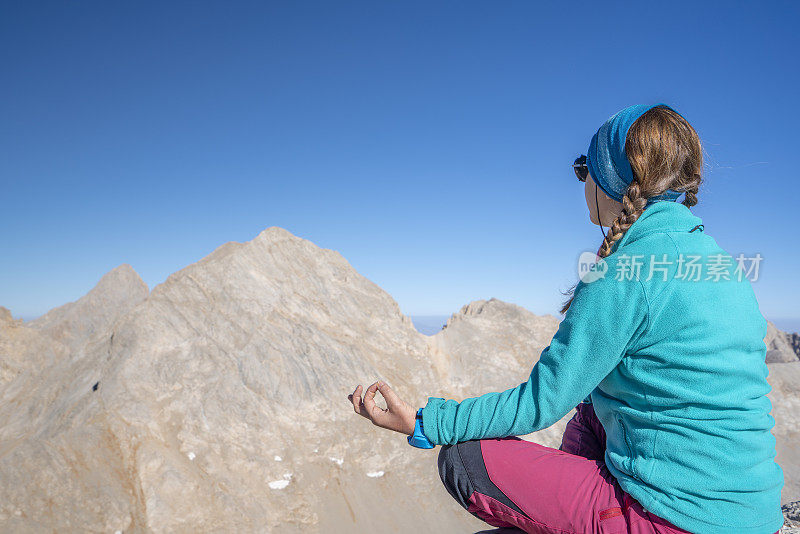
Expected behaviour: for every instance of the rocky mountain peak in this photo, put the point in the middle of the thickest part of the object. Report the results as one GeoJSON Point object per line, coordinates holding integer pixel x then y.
{"type": "Point", "coordinates": [72, 324]}
{"type": "Point", "coordinates": [781, 346]}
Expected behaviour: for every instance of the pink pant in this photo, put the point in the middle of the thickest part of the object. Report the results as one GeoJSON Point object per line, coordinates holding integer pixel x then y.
{"type": "Point", "coordinates": [517, 484]}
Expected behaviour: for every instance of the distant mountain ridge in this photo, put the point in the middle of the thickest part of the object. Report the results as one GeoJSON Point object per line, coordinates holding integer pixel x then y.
{"type": "Point", "coordinates": [216, 401]}
{"type": "Point", "coordinates": [781, 346]}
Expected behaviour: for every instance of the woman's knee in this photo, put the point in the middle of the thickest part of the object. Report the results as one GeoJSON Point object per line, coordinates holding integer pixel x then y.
{"type": "Point", "coordinates": [453, 472]}
{"type": "Point", "coordinates": [447, 455]}
{"type": "Point", "coordinates": [449, 465]}
{"type": "Point", "coordinates": [463, 471]}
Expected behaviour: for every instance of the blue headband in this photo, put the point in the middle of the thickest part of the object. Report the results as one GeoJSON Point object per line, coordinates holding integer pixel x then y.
{"type": "Point", "coordinates": [607, 161]}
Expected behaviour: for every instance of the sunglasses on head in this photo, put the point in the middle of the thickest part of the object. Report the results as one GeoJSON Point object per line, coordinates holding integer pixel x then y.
{"type": "Point", "coordinates": [580, 168]}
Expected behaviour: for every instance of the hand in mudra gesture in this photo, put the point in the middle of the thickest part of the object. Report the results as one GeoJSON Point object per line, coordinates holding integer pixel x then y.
{"type": "Point", "coordinates": [398, 415]}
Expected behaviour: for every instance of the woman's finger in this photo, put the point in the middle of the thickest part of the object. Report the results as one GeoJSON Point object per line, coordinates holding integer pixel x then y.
{"type": "Point", "coordinates": [388, 393]}
{"type": "Point", "coordinates": [403, 415]}
{"type": "Point", "coordinates": [355, 398]}
{"type": "Point", "coordinates": [373, 410]}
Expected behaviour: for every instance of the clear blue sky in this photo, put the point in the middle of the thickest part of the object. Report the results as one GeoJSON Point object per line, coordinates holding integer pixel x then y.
{"type": "Point", "coordinates": [428, 142]}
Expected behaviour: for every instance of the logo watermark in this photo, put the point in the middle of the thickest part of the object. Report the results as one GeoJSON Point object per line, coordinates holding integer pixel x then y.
{"type": "Point", "coordinates": [687, 267]}
{"type": "Point", "coordinates": [590, 267]}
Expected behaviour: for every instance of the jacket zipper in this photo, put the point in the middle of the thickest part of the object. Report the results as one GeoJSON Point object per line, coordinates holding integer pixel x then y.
{"type": "Point", "coordinates": [630, 449]}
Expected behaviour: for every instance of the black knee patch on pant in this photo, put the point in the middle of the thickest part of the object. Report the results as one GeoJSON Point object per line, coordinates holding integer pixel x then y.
{"type": "Point", "coordinates": [463, 472]}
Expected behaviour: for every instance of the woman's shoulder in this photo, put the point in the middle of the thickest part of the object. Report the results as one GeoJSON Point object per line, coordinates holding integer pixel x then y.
{"type": "Point", "coordinates": [665, 261]}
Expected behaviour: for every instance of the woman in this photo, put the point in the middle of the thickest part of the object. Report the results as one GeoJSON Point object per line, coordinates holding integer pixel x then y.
{"type": "Point", "coordinates": [662, 350]}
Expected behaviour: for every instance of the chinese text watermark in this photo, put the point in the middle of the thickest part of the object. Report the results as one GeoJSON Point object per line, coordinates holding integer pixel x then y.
{"type": "Point", "coordinates": [686, 267]}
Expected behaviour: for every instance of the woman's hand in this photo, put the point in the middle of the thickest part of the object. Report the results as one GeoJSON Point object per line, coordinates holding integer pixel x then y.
{"type": "Point", "coordinates": [399, 415]}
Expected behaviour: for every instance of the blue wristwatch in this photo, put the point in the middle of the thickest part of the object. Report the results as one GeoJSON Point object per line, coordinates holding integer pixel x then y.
{"type": "Point", "coordinates": [419, 440]}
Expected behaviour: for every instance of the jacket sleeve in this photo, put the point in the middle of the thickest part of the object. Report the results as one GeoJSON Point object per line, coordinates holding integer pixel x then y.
{"type": "Point", "coordinates": [605, 318]}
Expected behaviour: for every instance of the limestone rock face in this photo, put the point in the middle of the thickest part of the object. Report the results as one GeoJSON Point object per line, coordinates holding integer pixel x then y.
{"type": "Point", "coordinates": [791, 515]}
{"type": "Point", "coordinates": [785, 397]}
{"type": "Point", "coordinates": [489, 342]}
{"type": "Point", "coordinates": [218, 401]}
{"type": "Point", "coordinates": [173, 418]}
{"type": "Point", "coordinates": [75, 323]}
{"type": "Point", "coordinates": [23, 349]}
{"type": "Point", "coordinates": [781, 346]}
{"type": "Point", "coordinates": [515, 335]}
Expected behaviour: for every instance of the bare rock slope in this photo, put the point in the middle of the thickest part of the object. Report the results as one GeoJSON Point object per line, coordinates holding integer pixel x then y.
{"type": "Point", "coordinates": [217, 402]}
{"type": "Point", "coordinates": [94, 314]}
{"type": "Point", "coordinates": [782, 346]}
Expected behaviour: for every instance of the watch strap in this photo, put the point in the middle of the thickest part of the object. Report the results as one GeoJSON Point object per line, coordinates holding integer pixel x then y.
{"type": "Point", "coordinates": [418, 439]}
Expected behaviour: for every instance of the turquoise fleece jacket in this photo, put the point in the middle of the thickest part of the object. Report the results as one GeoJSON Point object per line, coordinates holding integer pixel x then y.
{"type": "Point", "coordinates": [672, 358]}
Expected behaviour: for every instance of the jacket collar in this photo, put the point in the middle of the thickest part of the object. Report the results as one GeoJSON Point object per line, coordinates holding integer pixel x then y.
{"type": "Point", "coordinates": [662, 216]}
